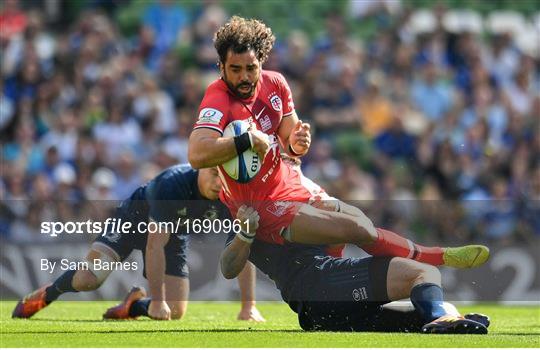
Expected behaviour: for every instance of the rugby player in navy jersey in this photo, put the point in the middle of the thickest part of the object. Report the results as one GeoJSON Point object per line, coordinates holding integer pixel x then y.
{"type": "Point", "coordinates": [335, 294]}
{"type": "Point", "coordinates": [178, 192]}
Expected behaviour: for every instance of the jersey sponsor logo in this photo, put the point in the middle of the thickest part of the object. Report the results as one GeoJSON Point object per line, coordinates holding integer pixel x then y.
{"type": "Point", "coordinates": [209, 115]}
{"type": "Point", "coordinates": [279, 208]}
{"type": "Point", "coordinates": [266, 124]}
{"type": "Point", "coordinates": [359, 294]}
{"type": "Point", "coordinates": [274, 146]}
{"type": "Point", "coordinates": [276, 103]}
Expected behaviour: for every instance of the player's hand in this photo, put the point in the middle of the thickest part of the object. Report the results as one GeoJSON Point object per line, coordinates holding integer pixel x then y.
{"type": "Point", "coordinates": [159, 310]}
{"type": "Point", "coordinates": [249, 223]}
{"type": "Point", "coordinates": [250, 313]}
{"type": "Point", "coordinates": [260, 142]}
{"type": "Point", "coordinates": [300, 138]}
{"type": "Point", "coordinates": [249, 219]}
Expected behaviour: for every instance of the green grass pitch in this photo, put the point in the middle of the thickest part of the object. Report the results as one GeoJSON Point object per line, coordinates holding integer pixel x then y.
{"type": "Point", "coordinates": [79, 324]}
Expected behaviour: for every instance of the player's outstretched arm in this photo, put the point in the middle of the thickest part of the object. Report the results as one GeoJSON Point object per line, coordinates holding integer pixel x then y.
{"type": "Point", "coordinates": [236, 254]}
{"type": "Point", "coordinates": [234, 258]}
{"type": "Point", "coordinates": [155, 260]}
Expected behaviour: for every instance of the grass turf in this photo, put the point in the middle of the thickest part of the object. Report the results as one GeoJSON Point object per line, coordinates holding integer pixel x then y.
{"type": "Point", "coordinates": [79, 324]}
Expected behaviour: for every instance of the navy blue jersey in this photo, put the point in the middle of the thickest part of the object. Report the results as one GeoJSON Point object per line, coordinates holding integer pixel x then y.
{"type": "Point", "coordinates": [174, 194]}
{"type": "Point", "coordinates": [284, 263]}
{"type": "Point", "coordinates": [305, 273]}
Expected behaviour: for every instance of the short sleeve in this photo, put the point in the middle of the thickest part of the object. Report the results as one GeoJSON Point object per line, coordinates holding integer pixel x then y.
{"type": "Point", "coordinates": [286, 96]}
{"type": "Point", "coordinates": [213, 112]}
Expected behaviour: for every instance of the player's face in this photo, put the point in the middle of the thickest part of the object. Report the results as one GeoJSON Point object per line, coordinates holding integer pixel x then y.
{"type": "Point", "coordinates": [209, 183]}
{"type": "Point", "coordinates": [241, 72]}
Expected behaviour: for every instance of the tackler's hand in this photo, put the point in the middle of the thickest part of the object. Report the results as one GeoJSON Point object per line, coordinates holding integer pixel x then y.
{"type": "Point", "coordinates": [250, 313]}
{"type": "Point", "coordinates": [159, 310]}
{"type": "Point", "coordinates": [249, 223]}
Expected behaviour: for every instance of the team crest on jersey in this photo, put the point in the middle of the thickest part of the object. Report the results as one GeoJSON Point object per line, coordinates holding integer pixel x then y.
{"type": "Point", "coordinates": [210, 115]}
{"type": "Point", "coordinates": [276, 103]}
{"type": "Point", "coordinates": [279, 208]}
{"type": "Point", "coordinates": [211, 213]}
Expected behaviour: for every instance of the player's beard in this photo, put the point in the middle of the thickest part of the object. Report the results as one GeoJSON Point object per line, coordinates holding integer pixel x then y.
{"type": "Point", "coordinates": [236, 89]}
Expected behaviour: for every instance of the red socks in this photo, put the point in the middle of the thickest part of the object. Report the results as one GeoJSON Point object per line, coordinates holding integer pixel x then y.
{"type": "Point", "coordinates": [392, 244]}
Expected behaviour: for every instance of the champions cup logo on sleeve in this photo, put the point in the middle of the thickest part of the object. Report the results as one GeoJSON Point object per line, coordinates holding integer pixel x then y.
{"type": "Point", "coordinates": [276, 103]}
{"type": "Point", "coordinates": [210, 115]}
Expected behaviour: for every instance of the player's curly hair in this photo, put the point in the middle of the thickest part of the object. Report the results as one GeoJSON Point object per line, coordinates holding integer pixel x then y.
{"type": "Point", "coordinates": [240, 35]}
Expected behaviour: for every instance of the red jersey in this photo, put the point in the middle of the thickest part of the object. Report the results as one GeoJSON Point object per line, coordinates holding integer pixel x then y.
{"type": "Point", "coordinates": [271, 102]}
{"type": "Point", "coordinates": [277, 190]}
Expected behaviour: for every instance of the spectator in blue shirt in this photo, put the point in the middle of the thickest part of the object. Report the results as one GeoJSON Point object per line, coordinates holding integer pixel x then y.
{"type": "Point", "coordinates": [429, 94]}
{"type": "Point", "coordinates": [395, 142]}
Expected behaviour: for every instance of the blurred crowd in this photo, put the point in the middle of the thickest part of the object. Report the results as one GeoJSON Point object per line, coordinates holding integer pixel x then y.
{"type": "Point", "coordinates": [434, 133]}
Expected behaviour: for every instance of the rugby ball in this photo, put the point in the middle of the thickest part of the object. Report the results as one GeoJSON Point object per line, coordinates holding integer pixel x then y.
{"type": "Point", "coordinates": [245, 166]}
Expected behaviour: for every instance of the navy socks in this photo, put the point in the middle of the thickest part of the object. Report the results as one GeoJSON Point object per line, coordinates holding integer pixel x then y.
{"type": "Point", "coordinates": [60, 286]}
{"type": "Point", "coordinates": [139, 308]}
{"type": "Point", "coordinates": [427, 298]}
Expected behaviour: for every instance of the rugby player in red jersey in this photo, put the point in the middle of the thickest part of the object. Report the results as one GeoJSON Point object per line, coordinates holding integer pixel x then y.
{"type": "Point", "coordinates": [291, 207]}
{"type": "Point", "coordinates": [281, 195]}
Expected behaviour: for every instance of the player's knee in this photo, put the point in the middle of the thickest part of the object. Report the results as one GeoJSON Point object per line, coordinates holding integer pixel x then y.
{"type": "Point", "coordinates": [178, 309]}
{"type": "Point", "coordinates": [355, 230]}
{"type": "Point", "coordinates": [368, 232]}
{"type": "Point", "coordinates": [85, 280]}
{"type": "Point", "coordinates": [427, 274]}
{"type": "Point", "coordinates": [177, 315]}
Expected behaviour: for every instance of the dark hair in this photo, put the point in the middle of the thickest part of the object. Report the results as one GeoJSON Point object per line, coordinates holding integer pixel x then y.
{"type": "Point", "coordinates": [241, 35]}
{"type": "Point", "coordinates": [292, 161]}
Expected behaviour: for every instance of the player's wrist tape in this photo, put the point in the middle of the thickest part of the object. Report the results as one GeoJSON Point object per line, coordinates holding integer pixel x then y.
{"type": "Point", "coordinates": [242, 142]}
{"type": "Point", "coordinates": [246, 237]}
{"type": "Point", "coordinates": [293, 152]}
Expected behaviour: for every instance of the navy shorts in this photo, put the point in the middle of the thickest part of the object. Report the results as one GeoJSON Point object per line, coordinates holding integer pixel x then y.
{"type": "Point", "coordinates": [135, 210]}
{"type": "Point", "coordinates": [342, 294]}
